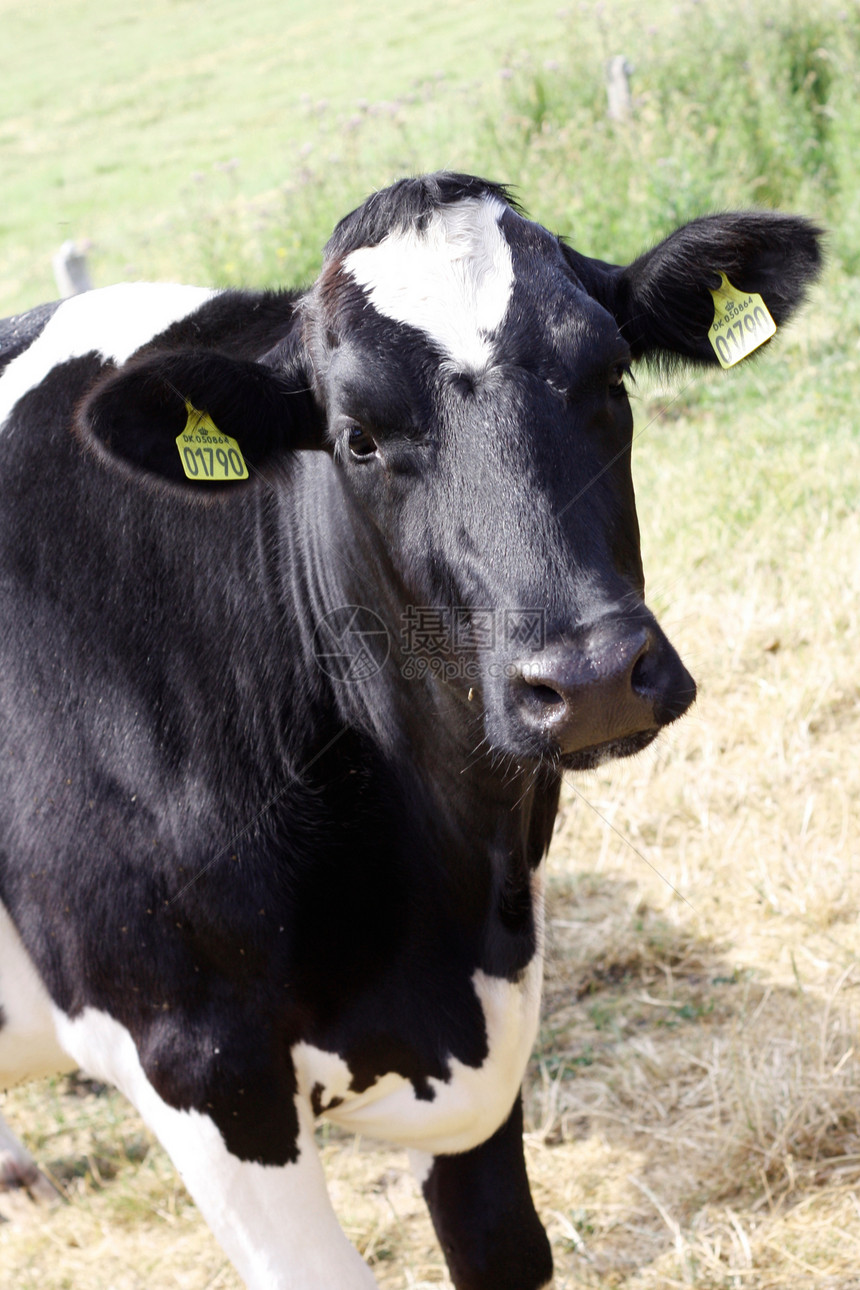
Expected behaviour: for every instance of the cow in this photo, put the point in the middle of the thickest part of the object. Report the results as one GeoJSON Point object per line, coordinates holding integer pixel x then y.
{"type": "Point", "coordinates": [308, 599]}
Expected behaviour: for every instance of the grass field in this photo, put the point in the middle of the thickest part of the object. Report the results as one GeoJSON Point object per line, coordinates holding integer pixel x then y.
{"type": "Point", "coordinates": [128, 124]}
{"type": "Point", "coordinates": [693, 1104]}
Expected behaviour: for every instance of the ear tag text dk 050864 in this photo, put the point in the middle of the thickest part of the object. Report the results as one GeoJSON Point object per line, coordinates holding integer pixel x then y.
{"type": "Point", "coordinates": [206, 454]}
{"type": "Point", "coordinates": [741, 323]}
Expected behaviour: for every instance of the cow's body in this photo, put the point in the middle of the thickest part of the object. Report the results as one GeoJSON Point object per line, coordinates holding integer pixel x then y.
{"type": "Point", "coordinates": [263, 857]}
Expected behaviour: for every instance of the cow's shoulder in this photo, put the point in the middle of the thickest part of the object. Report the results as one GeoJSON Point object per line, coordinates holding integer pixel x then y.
{"type": "Point", "coordinates": [18, 332]}
{"type": "Point", "coordinates": [111, 323]}
{"type": "Point", "coordinates": [117, 322]}
{"type": "Point", "coordinates": [244, 324]}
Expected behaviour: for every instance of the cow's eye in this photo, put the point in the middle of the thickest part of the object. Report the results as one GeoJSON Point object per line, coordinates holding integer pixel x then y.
{"type": "Point", "coordinates": [361, 443]}
{"type": "Point", "coordinates": [617, 373]}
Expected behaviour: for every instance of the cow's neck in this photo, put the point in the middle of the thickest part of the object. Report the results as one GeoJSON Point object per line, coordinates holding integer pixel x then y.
{"type": "Point", "coordinates": [486, 819]}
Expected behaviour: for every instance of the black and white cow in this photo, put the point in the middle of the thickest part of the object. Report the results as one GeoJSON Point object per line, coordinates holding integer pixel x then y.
{"type": "Point", "coordinates": [280, 758]}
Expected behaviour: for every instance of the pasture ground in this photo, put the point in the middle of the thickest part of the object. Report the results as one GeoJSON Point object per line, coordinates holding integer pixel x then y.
{"type": "Point", "coordinates": [693, 1104]}
{"type": "Point", "coordinates": [142, 128]}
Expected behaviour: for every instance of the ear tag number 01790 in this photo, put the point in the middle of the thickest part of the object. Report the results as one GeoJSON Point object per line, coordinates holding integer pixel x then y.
{"type": "Point", "coordinates": [741, 323]}
{"type": "Point", "coordinates": [206, 454]}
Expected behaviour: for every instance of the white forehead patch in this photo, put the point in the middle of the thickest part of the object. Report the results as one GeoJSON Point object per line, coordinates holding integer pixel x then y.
{"type": "Point", "coordinates": [452, 279]}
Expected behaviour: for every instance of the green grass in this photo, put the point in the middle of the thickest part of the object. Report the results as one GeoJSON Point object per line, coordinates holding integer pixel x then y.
{"type": "Point", "coordinates": [220, 144]}
{"type": "Point", "coordinates": [111, 114]}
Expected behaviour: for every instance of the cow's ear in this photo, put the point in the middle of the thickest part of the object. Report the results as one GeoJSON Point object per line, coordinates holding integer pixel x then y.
{"type": "Point", "coordinates": [663, 301]}
{"type": "Point", "coordinates": [199, 418]}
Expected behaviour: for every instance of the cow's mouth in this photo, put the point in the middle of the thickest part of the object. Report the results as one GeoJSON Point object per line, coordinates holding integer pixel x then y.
{"type": "Point", "coordinates": [611, 750]}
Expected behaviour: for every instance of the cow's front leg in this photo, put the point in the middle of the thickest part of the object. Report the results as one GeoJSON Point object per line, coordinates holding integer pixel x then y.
{"type": "Point", "coordinates": [484, 1215]}
{"type": "Point", "coordinates": [274, 1221]}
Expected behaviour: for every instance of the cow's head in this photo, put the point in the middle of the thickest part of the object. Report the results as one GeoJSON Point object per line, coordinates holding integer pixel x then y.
{"type": "Point", "coordinates": [465, 371]}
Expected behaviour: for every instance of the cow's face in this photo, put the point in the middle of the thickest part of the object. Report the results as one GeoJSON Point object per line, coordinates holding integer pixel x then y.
{"type": "Point", "coordinates": [465, 372]}
{"type": "Point", "coordinates": [475, 395]}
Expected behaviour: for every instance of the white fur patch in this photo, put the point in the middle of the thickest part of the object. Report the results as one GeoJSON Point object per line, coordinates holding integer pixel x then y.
{"type": "Point", "coordinates": [28, 1043]}
{"type": "Point", "coordinates": [421, 1164]}
{"type": "Point", "coordinates": [467, 1108]}
{"type": "Point", "coordinates": [275, 1223]}
{"type": "Point", "coordinates": [114, 322]}
{"type": "Point", "coordinates": [452, 280]}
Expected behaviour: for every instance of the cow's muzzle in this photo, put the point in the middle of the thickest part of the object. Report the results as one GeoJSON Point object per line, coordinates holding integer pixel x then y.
{"type": "Point", "coordinates": [607, 692]}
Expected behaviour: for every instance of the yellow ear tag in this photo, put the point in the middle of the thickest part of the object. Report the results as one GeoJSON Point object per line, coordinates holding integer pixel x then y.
{"type": "Point", "coordinates": [207, 454]}
{"type": "Point", "coordinates": [741, 323]}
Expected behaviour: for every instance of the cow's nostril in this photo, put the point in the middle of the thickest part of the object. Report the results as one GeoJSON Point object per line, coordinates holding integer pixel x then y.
{"type": "Point", "coordinates": [545, 694]}
{"type": "Point", "coordinates": [639, 679]}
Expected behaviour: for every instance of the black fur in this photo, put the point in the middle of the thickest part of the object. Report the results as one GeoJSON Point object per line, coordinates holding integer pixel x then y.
{"type": "Point", "coordinates": [408, 204]}
{"type": "Point", "coordinates": [484, 1215]}
{"type": "Point", "coordinates": [135, 417]}
{"type": "Point", "coordinates": [18, 333]}
{"type": "Point", "coordinates": [209, 831]}
{"type": "Point", "coordinates": [663, 300]}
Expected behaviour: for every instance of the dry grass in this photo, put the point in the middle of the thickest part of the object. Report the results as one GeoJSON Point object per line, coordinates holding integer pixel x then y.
{"type": "Point", "coordinates": [694, 1101]}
